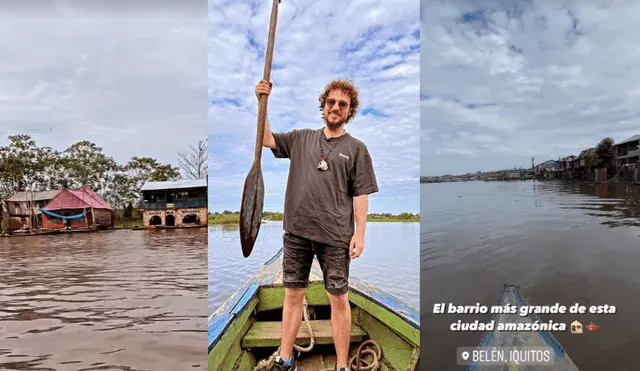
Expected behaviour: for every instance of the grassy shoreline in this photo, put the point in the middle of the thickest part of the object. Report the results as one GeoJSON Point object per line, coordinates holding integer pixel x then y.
{"type": "Point", "coordinates": [233, 218]}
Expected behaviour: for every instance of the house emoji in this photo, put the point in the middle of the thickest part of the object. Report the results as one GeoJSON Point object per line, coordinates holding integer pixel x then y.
{"type": "Point", "coordinates": [576, 327]}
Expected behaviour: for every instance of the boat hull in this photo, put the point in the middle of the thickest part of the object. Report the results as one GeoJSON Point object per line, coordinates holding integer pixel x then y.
{"type": "Point", "coordinates": [511, 296]}
{"type": "Point", "coordinates": [376, 316]}
{"type": "Point", "coordinates": [40, 233]}
{"type": "Point", "coordinates": [79, 230]}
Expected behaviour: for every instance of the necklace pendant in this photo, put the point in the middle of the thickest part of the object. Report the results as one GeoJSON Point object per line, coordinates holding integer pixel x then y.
{"type": "Point", "coordinates": [322, 165]}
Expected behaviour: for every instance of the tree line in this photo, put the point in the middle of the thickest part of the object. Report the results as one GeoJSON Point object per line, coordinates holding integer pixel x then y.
{"type": "Point", "coordinates": [268, 215]}
{"type": "Point", "coordinates": [26, 166]}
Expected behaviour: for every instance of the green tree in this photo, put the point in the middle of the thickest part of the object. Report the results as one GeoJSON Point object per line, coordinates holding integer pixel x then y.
{"type": "Point", "coordinates": [128, 211]}
{"type": "Point", "coordinates": [147, 169]}
{"type": "Point", "coordinates": [24, 165]}
{"type": "Point", "coordinates": [89, 167]}
{"type": "Point", "coordinates": [129, 179]}
{"type": "Point", "coordinates": [605, 153]}
{"type": "Point", "coordinates": [591, 160]}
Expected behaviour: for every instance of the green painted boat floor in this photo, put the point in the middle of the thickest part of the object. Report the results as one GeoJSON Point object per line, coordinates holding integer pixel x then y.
{"type": "Point", "coordinates": [263, 338]}
{"type": "Point", "coordinates": [268, 334]}
{"type": "Point", "coordinates": [256, 333]}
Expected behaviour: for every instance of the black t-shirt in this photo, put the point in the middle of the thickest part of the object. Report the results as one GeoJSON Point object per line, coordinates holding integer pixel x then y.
{"type": "Point", "coordinates": [318, 204]}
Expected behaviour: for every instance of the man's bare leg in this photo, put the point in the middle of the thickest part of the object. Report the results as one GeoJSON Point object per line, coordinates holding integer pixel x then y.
{"type": "Point", "coordinates": [291, 320]}
{"type": "Point", "coordinates": [341, 327]}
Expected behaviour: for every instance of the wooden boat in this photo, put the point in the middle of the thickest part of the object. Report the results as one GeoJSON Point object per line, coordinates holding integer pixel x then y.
{"type": "Point", "coordinates": [246, 328]}
{"type": "Point", "coordinates": [511, 296]}
{"type": "Point", "coordinates": [78, 230]}
{"type": "Point", "coordinates": [33, 233]}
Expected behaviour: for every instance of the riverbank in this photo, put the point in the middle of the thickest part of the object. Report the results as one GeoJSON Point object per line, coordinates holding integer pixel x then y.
{"type": "Point", "coordinates": [127, 223]}
{"type": "Point", "coordinates": [227, 218]}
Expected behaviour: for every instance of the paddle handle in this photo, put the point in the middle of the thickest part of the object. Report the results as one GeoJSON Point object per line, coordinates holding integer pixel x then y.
{"type": "Point", "coordinates": [262, 102]}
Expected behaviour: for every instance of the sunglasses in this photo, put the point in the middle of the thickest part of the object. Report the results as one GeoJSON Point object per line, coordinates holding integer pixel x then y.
{"type": "Point", "coordinates": [342, 104]}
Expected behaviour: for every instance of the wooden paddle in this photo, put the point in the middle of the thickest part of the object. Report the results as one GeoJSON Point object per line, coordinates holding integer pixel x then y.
{"type": "Point", "coordinates": [253, 193]}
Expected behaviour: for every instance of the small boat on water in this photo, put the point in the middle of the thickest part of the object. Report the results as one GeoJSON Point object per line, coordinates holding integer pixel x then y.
{"type": "Point", "coordinates": [511, 296]}
{"type": "Point", "coordinates": [78, 230]}
{"type": "Point", "coordinates": [245, 330]}
{"type": "Point", "coordinates": [32, 233]}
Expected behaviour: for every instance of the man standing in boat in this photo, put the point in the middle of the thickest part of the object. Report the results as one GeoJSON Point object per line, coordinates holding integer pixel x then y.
{"type": "Point", "coordinates": [330, 177]}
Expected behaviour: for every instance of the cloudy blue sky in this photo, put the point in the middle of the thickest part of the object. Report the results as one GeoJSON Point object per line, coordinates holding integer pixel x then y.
{"type": "Point", "coordinates": [125, 75]}
{"type": "Point", "coordinates": [500, 84]}
{"type": "Point", "coordinates": [375, 43]}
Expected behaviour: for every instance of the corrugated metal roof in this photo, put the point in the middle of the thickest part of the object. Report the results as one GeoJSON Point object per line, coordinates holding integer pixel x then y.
{"type": "Point", "coordinates": [568, 158]}
{"type": "Point", "coordinates": [174, 184]}
{"type": "Point", "coordinates": [33, 196]}
{"type": "Point", "coordinates": [632, 139]}
{"type": "Point", "coordinates": [77, 199]}
{"type": "Point", "coordinates": [585, 152]}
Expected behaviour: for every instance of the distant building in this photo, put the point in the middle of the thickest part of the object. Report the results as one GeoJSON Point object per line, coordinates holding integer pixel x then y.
{"type": "Point", "coordinates": [627, 151]}
{"type": "Point", "coordinates": [77, 208]}
{"type": "Point", "coordinates": [582, 157]}
{"type": "Point", "coordinates": [546, 166]}
{"type": "Point", "coordinates": [548, 169]}
{"type": "Point", "coordinates": [174, 203]}
{"type": "Point", "coordinates": [23, 209]}
{"type": "Point", "coordinates": [567, 166]}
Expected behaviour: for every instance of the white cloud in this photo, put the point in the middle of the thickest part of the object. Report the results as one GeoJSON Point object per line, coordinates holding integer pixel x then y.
{"type": "Point", "coordinates": [129, 77]}
{"type": "Point", "coordinates": [539, 79]}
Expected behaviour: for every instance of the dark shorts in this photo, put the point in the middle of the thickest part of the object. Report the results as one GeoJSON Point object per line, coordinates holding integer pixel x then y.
{"type": "Point", "coordinates": [298, 257]}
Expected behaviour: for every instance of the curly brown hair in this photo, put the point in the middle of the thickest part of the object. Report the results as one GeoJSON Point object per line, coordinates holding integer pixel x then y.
{"type": "Point", "coordinates": [347, 87]}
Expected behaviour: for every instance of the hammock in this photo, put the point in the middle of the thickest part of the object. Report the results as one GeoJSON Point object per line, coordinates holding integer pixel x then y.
{"type": "Point", "coordinates": [63, 216]}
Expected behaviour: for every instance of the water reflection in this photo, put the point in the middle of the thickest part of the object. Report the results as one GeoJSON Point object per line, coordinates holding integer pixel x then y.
{"type": "Point", "coordinates": [125, 300]}
{"type": "Point", "coordinates": [561, 242]}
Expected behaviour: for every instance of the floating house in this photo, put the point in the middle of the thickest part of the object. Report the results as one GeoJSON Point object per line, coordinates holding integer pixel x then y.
{"type": "Point", "coordinates": [568, 166]}
{"type": "Point", "coordinates": [174, 203]}
{"type": "Point", "coordinates": [23, 209]}
{"type": "Point", "coordinates": [77, 208]}
{"type": "Point", "coordinates": [547, 169]}
{"type": "Point", "coordinates": [627, 152]}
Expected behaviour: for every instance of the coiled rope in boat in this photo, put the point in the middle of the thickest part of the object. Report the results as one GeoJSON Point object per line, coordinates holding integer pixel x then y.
{"type": "Point", "coordinates": [359, 363]}
{"type": "Point", "coordinates": [266, 364]}
{"type": "Point", "coordinates": [356, 363]}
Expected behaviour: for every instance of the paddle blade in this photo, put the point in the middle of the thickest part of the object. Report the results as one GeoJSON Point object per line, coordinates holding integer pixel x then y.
{"type": "Point", "coordinates": [251, 209]}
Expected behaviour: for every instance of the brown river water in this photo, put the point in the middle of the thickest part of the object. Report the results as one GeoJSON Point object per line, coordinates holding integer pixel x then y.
{"type": "Point", "coordinates": [113, 300]}
{"type": "Point", "coordinates": [560, 242]}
